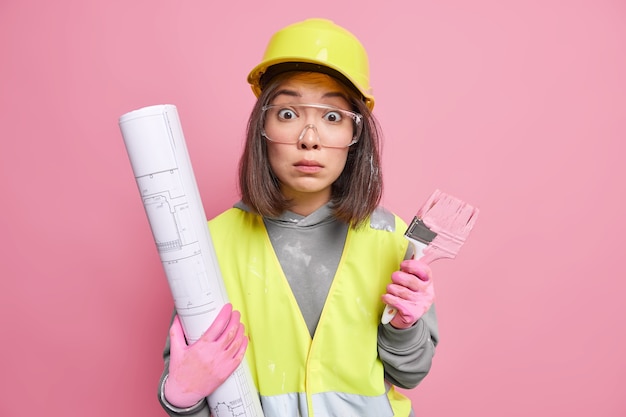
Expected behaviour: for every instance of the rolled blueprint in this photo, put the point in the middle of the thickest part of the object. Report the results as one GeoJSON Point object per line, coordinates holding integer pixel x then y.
{"type": "Point", "coordinates": [158, 154]}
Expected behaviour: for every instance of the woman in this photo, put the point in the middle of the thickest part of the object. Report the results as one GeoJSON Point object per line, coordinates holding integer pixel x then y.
{"type": "Point", "coordinates": [308, 257]}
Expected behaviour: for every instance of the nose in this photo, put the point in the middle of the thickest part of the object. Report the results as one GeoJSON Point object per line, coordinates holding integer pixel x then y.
{"type": "Point", "coordinates": [309, 138]}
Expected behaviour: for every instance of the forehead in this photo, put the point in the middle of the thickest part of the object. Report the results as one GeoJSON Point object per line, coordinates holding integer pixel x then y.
{"type": "Point", "coordinates": [307, 86]}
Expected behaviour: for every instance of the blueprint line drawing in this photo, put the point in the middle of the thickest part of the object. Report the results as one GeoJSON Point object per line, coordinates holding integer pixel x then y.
{"type": "Point", "coordinates": [158, 154]}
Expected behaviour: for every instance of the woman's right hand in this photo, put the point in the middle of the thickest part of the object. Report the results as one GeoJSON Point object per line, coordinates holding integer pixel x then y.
{"type": "Point", "coordinates": [196, 371]}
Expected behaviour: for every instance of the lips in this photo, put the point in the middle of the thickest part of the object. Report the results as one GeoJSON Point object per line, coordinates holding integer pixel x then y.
{"type": "Point", "coordinates": [307, 163]}
{"type": "Point", "coordinates": [308, 166]}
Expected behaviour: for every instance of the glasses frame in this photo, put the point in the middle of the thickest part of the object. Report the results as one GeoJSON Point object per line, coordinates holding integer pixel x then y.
{"type": "Point", "coordinates": [357, 119]}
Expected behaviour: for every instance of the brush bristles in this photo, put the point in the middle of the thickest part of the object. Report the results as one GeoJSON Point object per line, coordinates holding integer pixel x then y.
{"type": "Point", "coordinates": [447, 215]}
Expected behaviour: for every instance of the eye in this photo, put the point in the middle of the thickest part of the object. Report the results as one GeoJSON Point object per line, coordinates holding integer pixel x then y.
{"type": "Point", "coordinates": [287, 114]}
{"type": "Point", "coordinates": [333, 116]}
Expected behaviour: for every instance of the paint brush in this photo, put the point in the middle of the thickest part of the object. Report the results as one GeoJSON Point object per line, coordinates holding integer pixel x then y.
{"type": "Point", "coordinates": [437, 231]}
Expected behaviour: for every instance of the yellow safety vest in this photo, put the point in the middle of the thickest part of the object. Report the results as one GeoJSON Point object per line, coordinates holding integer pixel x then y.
{"type": "Point", "coordinates": [338, 372]}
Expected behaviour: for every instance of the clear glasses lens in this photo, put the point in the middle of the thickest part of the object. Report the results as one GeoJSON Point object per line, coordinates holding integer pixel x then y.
{"type": "Point", "coordinates": [289, 123]}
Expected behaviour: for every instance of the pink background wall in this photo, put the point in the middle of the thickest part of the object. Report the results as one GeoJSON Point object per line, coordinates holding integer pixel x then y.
{"type": "Point", "coordinates": [518, 107]}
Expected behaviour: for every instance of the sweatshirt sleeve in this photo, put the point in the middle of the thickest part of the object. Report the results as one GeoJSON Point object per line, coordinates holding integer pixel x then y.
{"type": "Point", "coordinates": [199, 410]}
{"type": "Point", "coordinates": [407, 353]}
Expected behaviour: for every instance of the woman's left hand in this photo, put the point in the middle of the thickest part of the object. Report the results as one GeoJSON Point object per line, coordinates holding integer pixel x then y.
{"type": "Point", "coordinates": [411, 293]}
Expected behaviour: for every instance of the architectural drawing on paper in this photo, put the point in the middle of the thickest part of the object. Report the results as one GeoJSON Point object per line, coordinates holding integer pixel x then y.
{"type": "Point", "coordinates": [158, 154]}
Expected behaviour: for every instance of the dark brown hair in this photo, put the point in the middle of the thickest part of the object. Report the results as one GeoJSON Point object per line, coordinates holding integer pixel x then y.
{"type": "Point", "coordinates": [355, 194]}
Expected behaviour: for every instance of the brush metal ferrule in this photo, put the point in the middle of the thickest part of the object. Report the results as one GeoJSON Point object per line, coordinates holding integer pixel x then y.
{"type": "Point", "coordinates": [417, 230]}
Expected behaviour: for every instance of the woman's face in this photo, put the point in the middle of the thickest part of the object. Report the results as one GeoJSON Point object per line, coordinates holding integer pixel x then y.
{"type": "Point", "coordinates": [306, 169]}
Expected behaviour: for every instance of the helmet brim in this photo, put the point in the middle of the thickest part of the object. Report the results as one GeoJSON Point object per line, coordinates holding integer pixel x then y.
{"type": "Point", "coordinates": [264, 72]}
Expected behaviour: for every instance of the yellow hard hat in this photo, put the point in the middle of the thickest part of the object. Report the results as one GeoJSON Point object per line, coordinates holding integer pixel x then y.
{"type": "Point", "coordinates": [317, 45]}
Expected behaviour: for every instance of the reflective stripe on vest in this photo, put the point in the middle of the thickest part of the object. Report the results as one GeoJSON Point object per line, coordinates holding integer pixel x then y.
{"type": "Point", "coordinates": [327, 404]}
{"type": "Point", "coordinates": [313, 377]}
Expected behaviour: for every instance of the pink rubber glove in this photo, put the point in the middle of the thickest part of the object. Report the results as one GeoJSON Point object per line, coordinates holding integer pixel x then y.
{"type": "Point", "coordinates": [196, 371]}
{"type": "Point", "coordinates": [411, 292]}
